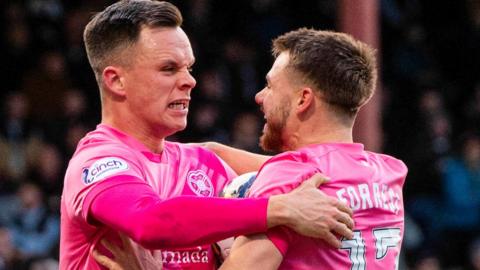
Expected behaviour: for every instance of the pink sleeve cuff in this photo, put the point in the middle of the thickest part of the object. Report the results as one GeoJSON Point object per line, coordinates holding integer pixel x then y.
{"type": "Point", "coordinates": [280, 238]}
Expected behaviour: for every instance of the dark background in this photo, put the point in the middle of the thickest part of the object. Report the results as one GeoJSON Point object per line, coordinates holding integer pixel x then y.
{"type": "Point", "coordinates": [430, 107]}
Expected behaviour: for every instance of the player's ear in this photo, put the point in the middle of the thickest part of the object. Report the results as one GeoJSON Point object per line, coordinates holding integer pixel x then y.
{"type": "Point", "coordinates": [114, 81]}
{"type": "Point", "coordinates": [305, 99]}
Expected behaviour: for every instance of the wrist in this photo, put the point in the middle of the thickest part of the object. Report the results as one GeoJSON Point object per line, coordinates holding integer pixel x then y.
{"type": "Point", "coordinates": [277, 211]}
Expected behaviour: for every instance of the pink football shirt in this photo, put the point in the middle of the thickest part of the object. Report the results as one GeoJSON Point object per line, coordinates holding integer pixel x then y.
{"type": "Point", "coordinates": [107, 154]}
{"type": "Point", "coordinates": [370, 183]}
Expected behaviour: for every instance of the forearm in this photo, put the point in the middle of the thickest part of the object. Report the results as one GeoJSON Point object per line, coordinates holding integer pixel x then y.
{"type": "Point", "coordinates": [177, 222]}
{"type": "Point", "coordinates": [253, 252]}
{"type": "Point", "coordinates": [208, 221]}
{"type": "Point", "coordinates": [241, 161]}
{"type": "Point", "coordinates": [137, 211]}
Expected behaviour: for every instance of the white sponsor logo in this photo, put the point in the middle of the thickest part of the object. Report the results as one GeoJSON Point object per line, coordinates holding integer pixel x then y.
{"type": "Point", "coordinates": [199, 183]}
{"type": "Point", "coordinates": [178, 257]}
{"type": "Point", "coordinates": [103, 168]}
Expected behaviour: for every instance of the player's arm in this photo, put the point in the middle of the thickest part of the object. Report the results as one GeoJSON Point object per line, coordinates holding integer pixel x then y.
{"type": "Point", "coordinates": [253, 252]}
{"type": "Point", "coordinates": [134, 209]}
{"type": "Point", "coordinates": [241, 161]}
{"type": "Point", "coordinates": [248, 252]}
{"type": "Point", "coordinates": [130, 206]}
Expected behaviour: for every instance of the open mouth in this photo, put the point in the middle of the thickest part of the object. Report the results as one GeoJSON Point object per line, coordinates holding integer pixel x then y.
{"type": "Point", "coordinates": [179, 105]}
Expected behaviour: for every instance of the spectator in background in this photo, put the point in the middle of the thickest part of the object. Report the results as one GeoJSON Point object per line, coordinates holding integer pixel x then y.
{"type": "Point", "coordinates": [75, 114]}
{"type": "Point", "coordinates": [46, 85]}
{"type": "Point", "coordinates": [472, 110]}
{"type": "Point", "coordinates": [44, 264]}
{"type": "Point", "coordinates": [76, 57]}
{"type": "Point", "coordinates": [17, 54]}
{"type": "Point", "coordinates": [47, 171]}
{"type": "Point", "coordinates": [210, 110]}
{"type": "Point", "coordinates": [206, 124]}
{"type": "Point", "coordinates": [430, 145]}
{"type": "Point", "coordinates": [73, 134]}
{"type": "Point", "coordinates": [211, 85]}
{"type": "Point", "coordinates": [18, 141]}
{"type": "Point", "coordinates": [411, 60]}
{"type": "Point", "coordinates": [461, 184]}
{"type": "Point", "coordinates": [412, 244]}
{"type": "Point", "coordinates": [245, 132]}
{"type": "Point", "coordinates": [9, 258]}
{"type": "Point", "coordinates": [47, 17]}
{"type": "Point", "coordinates": [241, 77]}
{"type": "Point", "coordinates": [74, 105]}
{"type": "Point", "coordinates": [33, 231]}
{"type": "Point", "coordinates": [474, 255]}
{"type": "Point", "coordinates": [459, 217]}
{"type": "Point", "coordinates": [428, 261]}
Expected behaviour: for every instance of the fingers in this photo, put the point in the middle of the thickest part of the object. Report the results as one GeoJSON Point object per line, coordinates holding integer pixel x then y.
{"type": "Point", "coordinates": [344, 208]}
{"type": "Point", "coordinates": [115, 250]}
{"type": "Point", "coordinates": [127, 245]}
{"type": "Point", "coordinates": [317, 179]}
{"type": "Point", "coordinates": [101, 259]}
{"type": "Point", "coordinates": [332, 240]}
{"type": "Point", "coordinates": [104, 260]}
{"type": "Point", "coordinates": [342, 230]}
{"type": "Point", "coordinates": [346, 220]}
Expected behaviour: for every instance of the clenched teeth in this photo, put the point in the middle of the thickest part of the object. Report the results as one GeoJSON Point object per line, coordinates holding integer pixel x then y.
{"type": "Point", "coordinates": [179, 105]}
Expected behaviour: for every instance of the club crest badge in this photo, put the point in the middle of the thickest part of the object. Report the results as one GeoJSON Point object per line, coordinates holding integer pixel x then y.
{"type": "Point", "coordinates": [199, 183]}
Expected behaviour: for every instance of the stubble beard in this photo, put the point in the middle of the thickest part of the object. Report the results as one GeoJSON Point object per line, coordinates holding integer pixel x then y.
{"type": "Point", "coordinates": [271, 140]}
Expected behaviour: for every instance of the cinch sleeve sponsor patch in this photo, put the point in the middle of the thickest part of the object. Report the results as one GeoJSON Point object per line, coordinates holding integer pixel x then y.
{"type": "Point", "coordinates": [103, 168]}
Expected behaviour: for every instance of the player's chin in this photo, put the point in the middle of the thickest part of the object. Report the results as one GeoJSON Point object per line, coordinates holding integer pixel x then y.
{"type": "Point", "coordinates": [172, 130]}
{"type": "Point", "coordinates": [180, 126]}
{"type": "Point", "coordinates": [271, 142]}
{"type": "Point", "coordinates": [174, 125]}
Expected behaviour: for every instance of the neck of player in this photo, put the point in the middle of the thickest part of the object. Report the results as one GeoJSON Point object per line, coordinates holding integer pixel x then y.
{"type": "Point", "coordinates": [317, 128]}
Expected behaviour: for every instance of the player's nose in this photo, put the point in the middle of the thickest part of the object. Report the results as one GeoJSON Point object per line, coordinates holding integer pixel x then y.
{"type": "Point", "coordinates": [187, 82]}
{"type": "Point", "coordinates": [259, 97]}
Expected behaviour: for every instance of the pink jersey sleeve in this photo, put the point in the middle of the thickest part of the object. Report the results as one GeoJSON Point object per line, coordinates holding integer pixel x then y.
{"type": "Point", "coordinates": [281, 237]}
{"type": "Point", "coordinates": [280, 175]}
{"type": "Point", "coordinates": [133, 208]}
{"type": "Point", "coordinates": [228, 170]}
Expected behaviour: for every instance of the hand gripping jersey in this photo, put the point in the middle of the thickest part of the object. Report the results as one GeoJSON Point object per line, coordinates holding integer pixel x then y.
{"type": "Point", "coordinates": [370, 183]}
{"type": "Point", "coordinates": [128, 183]}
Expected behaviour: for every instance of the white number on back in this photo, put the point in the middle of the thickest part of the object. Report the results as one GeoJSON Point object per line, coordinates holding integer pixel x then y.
{"type": "Point", "coordinates": [385, 238]}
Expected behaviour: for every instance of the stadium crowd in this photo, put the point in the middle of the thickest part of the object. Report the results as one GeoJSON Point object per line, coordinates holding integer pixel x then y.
{"type": "Point", "coordinates": [430, 102]}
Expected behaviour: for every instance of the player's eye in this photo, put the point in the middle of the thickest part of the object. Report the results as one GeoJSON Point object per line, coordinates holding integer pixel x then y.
{"type": "Point", "coordinates": [169, 68]}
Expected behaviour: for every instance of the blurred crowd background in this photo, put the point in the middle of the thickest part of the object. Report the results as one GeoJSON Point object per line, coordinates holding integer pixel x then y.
{"type": "Point", "coordinates": [430, 52]}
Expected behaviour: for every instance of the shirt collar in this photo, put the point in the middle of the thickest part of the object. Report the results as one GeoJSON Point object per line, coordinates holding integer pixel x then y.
{"type": "Point", "coordinates": [348, 147]}
{"type": "Point", "coordinates": [133, 143]}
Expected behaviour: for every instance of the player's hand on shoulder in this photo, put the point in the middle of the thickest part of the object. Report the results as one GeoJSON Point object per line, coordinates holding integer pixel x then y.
{"type": "Point", "coordinates": [313, 213]}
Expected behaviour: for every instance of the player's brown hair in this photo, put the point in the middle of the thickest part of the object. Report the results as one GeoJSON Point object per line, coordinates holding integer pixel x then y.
{"type": "Point", "coordinates": [341, 68]}
{"type": "Point", "coordinates": [118, 27]}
